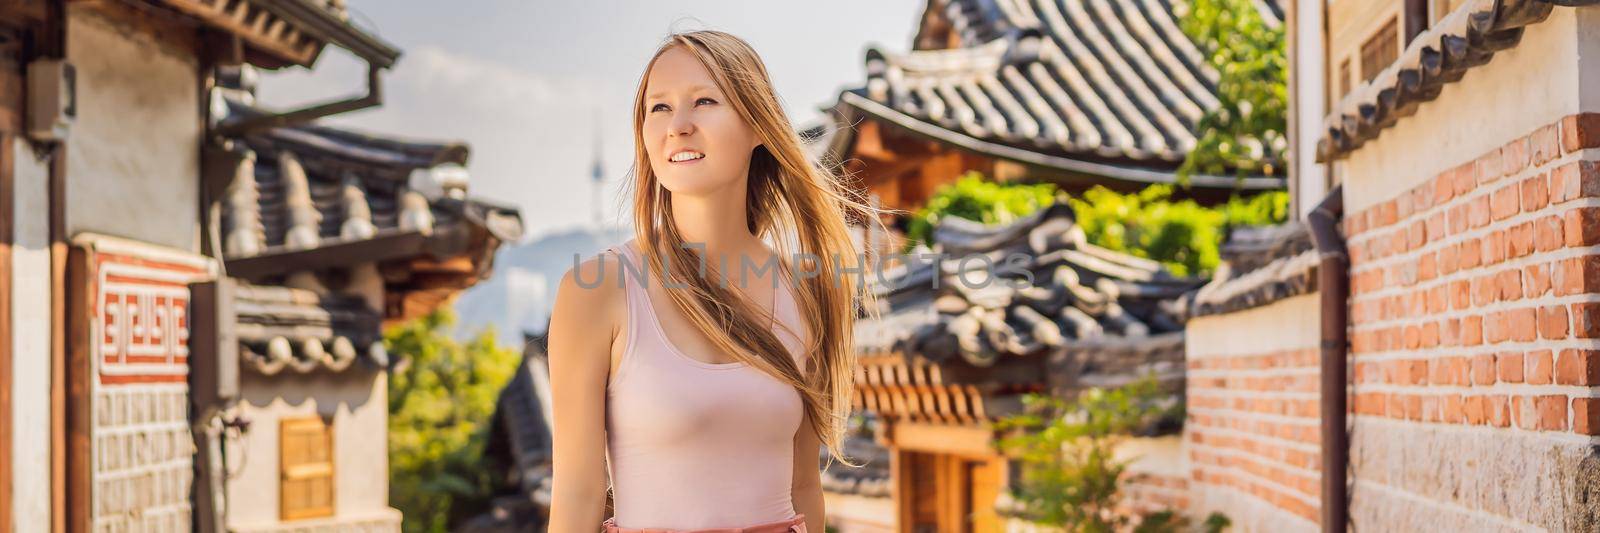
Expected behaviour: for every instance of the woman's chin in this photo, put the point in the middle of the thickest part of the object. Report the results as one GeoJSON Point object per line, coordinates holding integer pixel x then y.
{"type": "Point", "coordinates": [690, 186]}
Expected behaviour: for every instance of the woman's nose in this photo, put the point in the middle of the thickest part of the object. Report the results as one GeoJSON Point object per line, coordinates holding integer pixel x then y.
{"type": "Point", "coordinates": [681, 124]}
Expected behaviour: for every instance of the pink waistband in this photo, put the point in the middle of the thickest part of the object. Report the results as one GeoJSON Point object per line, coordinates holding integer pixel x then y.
{"type": "Point", "coordinates": [792, 525]}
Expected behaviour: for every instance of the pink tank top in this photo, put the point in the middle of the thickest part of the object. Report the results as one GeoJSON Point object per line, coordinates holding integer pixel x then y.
{"type": "Point", "coordinates": [691, 444]}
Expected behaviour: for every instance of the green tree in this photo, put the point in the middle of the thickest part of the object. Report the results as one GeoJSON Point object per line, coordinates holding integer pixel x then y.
{"type": "Point", "coordinates": [1071, 476]}
{"type": "Point", "coordinates": [440, 408]}
{"type": "Point", "coordinates": [974, 198]}
{"type": "Point", "coordinates": [1182, 235]}
{"type": "Point", "coordinates": [1244, 134]}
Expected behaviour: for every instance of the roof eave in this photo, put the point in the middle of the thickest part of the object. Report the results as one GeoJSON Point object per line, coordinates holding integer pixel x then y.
{"type": "Point", "coordinates": [443, 241]}
{"type": "Point", "coordinates": [274, 38]}
{"type": "Point", "coordinates": [1048, 161]}
{"type": "Point", "coordinates": [1466, 38]}
{"type": "Point", "coordinates": [330, 29]}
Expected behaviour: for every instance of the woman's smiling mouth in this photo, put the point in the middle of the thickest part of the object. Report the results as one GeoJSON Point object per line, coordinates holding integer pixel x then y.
{"type": "Point", "coordinates": [686, 156]}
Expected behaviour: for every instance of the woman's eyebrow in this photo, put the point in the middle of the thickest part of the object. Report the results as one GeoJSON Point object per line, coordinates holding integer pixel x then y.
{"type": "Point", "coordinates": [692, 88]}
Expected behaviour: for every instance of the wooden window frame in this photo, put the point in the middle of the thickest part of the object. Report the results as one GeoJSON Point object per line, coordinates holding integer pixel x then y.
{"type": "Point", "coordinates": [288, 473]}
{"type": "Point", "coordinates": [1344, 81]}
{"type": "Point", "coordinates": [1417, 18]}
{"type": "Point", "coordinates": [1380, 49]}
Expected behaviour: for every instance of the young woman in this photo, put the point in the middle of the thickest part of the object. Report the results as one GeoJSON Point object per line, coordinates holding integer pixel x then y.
{"type": "Point", "coordinates": [694, 366]}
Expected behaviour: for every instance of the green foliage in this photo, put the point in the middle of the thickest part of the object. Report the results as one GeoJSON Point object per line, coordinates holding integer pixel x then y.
{"type": "Point", "coordinates": [1245, 132]}
{"type": "Point", "coordinates": [974, 198]}
{"type": "Point", "coordinates": [439, 413]}
{"type": "Point", "coordinates": [1182, 235]}
{"type": "Point", "coordinates": [1262, 209]}
{"type": "Point", "coordinates": [1070, 474]}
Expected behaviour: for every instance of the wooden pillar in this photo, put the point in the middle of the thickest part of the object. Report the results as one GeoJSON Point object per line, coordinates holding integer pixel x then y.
{"type": "Point", "coordinates": [987, 479]}
{"type": "Point", "coordinates": [9, 111]}
{"type": "Point", "coordinates": [900, 466]}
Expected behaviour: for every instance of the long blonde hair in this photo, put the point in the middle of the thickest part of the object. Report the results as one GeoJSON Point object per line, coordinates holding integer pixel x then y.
{"type": "Point", "coordinates": [785, 187]}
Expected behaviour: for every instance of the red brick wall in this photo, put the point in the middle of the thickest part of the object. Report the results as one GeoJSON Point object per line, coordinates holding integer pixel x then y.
{"type": "Point", "coordinates": [1472, 295]}
{"type": "Point", "coordinates": [1473, 317]}
{"type": "Point", "coordinates": [1252, 433]}
{"type": "Point", "coordinates": [1144, 493]}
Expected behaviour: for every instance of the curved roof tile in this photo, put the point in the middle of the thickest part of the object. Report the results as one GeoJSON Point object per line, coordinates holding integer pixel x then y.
{"type": "Point", "coordinates": [1108, 79]}
{"type": "Point", "coordinates": [1097, 79]}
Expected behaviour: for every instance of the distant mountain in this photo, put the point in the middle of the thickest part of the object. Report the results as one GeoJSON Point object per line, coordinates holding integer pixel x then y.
{"type": "Point", "coordinates": [519, 295]}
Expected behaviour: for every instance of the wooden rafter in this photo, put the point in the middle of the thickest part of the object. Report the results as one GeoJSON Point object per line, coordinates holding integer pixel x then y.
{"type": "Point", "coordinates": [919, 391]}
{"type": "Point", "coordinates": [256, 26]}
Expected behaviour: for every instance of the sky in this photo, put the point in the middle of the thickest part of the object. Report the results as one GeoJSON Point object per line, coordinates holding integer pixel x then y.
{"type": "Point", "coordinates": [535, 86]}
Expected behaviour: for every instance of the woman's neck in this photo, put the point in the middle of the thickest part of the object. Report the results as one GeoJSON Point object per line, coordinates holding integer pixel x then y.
{"type": "Point", "coordinates": [717, 224]}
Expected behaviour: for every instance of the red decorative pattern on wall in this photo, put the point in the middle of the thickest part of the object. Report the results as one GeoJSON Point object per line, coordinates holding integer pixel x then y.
{"type": "Point", "coordinates": [141, 322]}
{"type": "Point", "coordinates": [140, 448]}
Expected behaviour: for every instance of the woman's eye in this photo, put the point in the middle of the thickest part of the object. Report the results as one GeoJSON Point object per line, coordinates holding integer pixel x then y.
{"type": "Point", "coordinates": [705, 100]}
{"type": "Point", "coordinates": [658, 107]}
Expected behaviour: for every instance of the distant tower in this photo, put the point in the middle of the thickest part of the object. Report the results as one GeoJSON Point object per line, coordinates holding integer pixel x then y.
{"type": "Point", "coordinates": [598, 175]}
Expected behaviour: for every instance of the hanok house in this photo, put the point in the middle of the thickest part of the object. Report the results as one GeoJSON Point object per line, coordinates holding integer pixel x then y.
{"type": "Point", "coordinates": [163, 250]}
{"type": "Point", "coordinates": [1075, 93]}
{"type": "Point", "coordinates": [1427, 361]}
{"type": "Point", "coordinates": [329, 235]}
{"type": "Point", "coordinates": [955, 350]}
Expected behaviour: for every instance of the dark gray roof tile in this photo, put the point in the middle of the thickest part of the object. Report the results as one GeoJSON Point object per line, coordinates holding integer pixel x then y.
{"type": "Point", "coordinates": [1102, 79]}
{"type": "Point", "coordinates": [1082, 297]}
{"type": "Point", "coordinates": [1464, 39]}
{"type": "Point", "coordinates": [283, 328]}
{"type": "Point", "coordinates": [308, 186]}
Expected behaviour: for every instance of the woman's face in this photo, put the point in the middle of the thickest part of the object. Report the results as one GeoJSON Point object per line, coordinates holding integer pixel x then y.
{"type": "Point", "coordinates": [696, 141]}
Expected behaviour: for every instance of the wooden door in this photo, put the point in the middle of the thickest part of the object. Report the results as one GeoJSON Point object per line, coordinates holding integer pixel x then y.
{"type": "Point", "coordinates": [947, 493]}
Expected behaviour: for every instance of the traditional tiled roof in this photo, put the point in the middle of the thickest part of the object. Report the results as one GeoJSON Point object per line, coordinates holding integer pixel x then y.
{"type": "Point", "coordinates": [1464, 39]}
{"type": "Point", "coordinates": [277, 33]}
{"type": "Point", "coordinates": [281, 328]}
{"type": "Point", "coordinates": [1083, 298]}
{"type": "Point", "coordinates": [520, 448]}
{"type": "Point", "coordinates": [871, 479]}
{"type": "Point", "coordinates": [524, 414]}
{"type": "Point", "coordinates": [1261, 265]}
{"type": "Point", "coordinates": [1104, 87]}
{"type": "Point", "coordinates": [303, 189]}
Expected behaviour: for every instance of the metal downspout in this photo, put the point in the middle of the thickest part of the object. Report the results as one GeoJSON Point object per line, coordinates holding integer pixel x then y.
{"type": "Point", "coordinates": [1333, 286]}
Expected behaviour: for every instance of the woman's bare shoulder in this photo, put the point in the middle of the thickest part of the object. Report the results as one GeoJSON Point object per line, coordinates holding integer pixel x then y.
{"type": "Point", "coordinates": [589, 298]}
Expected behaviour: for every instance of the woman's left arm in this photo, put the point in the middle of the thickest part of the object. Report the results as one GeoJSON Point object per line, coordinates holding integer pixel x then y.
{"type": "Point", "coordinates": [806, 489]}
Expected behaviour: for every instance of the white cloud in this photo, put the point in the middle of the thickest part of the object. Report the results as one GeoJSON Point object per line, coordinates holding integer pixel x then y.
{"type": "Point", "coordinates": [532, 134]}
{"type": "Point", "coordinates": [439, 72]}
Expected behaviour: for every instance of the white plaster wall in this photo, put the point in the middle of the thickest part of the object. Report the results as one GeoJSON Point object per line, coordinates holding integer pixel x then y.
{"type": "Point", "coordinates": [1161, 456]}
{"type": "Point", "coordinates": [850, 513]}
{"type": "Point", "coordinates": [1521, 89]}
{"type": "Point", "coordinates": [133, 159]}
{"type": "Point", "coordinates": [1309, 175]}
{"type": "Point", "coordinates": [358, 401]}
{"type": "Point", "coordinates": [30, 342]}
{"type": "Point", "coordinates": [1588, 22]}
{"type": "Point", "coordinates": [1287, 324]}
